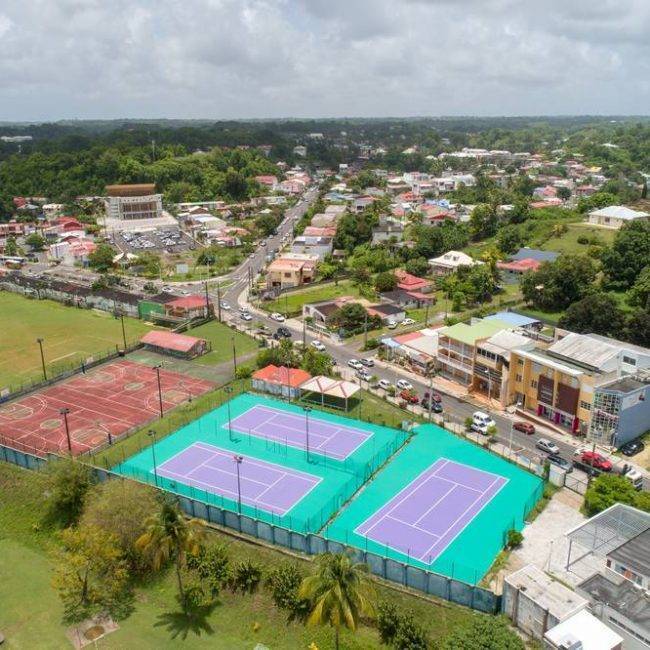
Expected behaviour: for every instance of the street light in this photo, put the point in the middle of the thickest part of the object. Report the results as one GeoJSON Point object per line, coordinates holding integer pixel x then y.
{"type": "Point", "coordinates": [512, 410]}
{"type": "Point", "coordinates": [307, 410]}
{"type": "Point", "coordinates": [238, 461]}
{"type": "Point", "coordinates": [40, 345]}
{"type": "Point", "coordinates": [228, 391]}
{"type": "Point", "coordinates": [152, 434]}
{"type": "Point", "coordinates": [234, 354]}
{"type": "Point", "coordinates": [64, 412]}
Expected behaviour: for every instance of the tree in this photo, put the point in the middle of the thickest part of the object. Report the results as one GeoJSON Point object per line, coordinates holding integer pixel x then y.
{"type": "Point", "coordinates": [510, 239]}
{"type": "Point", "coordinates": [399, 629]}
{"type": "Point", "coordinates": [352, 316]}
{"type": "Point", "coordinates": [168, 536]}
{"type": "Point", "coordinates": [91, 574]}
{"type": "Point", "coordinates": [483, 633]}
{"type": "Point", "coordinates": [316, 363]}
{"type": "Point", "coordinates": [483, 221]}
{"type": "Point", "coordinates": [608, 489]}
{"type": "Point", "coordinates": [339, 593]}
{"type": "Point", "coordinates": [35, 241]}
{"type": "Point", "coordinates": [637, 329]}
{"type": "Point", "coordinates": [121, 508]}
{"type": "Point", "coordinates": [639, 294]}
{"type": "Point", "coordinates": [212, 565]}
{"type": "Point", "coordinates": [101, 259]}
{"type": "Point", "coordinates": [597, 313]}
{"type": "Point", "coordinates": [11, 247]}
{"type": "Point", "coordinates": [417, 266]}
{"type": "Point", "coordinates": [629, 254]}
{"type": "Point", "coordinates": [282, 355]}
{"type": "Point", "coordinates": [283, 582]}
{"type": "Point", "coordinates": [563, 193]}
{"type": "Point", "coordinates": [68, 483]}
{"type": "Point", "coordinates": [385, 281]}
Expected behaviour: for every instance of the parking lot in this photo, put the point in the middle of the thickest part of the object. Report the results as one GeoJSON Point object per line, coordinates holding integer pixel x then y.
{"type": "Point", "coordinates": [167, 240]}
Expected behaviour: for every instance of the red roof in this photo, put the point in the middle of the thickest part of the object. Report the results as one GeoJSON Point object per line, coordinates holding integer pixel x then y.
{"type": "Point", "coordinates": [278, 375]}
{"type": "Point", "coordinates": [188, 302]}
{"type": "Point", "coordinates": [527, 264]}
{"type": "Point", "coordinates": [170, 341]}
{"type": "Point", "coordinates": [410, 282]}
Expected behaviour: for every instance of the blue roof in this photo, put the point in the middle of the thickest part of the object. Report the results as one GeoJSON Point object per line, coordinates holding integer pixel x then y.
{"type": "Point", "coordinates": [534, 254]}
{"type": "Point", "coordinates": [390, 343]}
{"type": "Point", "coordinates": [510, 317]}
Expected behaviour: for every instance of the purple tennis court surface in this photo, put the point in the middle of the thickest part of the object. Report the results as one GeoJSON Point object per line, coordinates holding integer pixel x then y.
{"type": "Point", "coordinates": [327, 438]}
{"type": "Point", "coordinates": [264, 485]}
{"type": "Point", "coordinates": [432, 510]}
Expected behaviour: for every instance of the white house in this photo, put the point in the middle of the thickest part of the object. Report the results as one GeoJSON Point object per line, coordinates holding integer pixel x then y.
{"type": "Point", "coordinates": [615, 216]}
{"type": "Point", "coordinates": [450, 261]}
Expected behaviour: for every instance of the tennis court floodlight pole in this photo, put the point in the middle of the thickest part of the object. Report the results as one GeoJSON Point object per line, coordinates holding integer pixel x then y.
{"type": "Point", "coordinates": [234, 353]}
{"type": "Point", "coordinates": [207, 297]}
{"type": "Point", "coordinates": [40, 345]}
{"type": "Point", "coordinates": [228, 390]}
{"type": "Point", "coordinates": [64, 412]}
{"type": "Point", "coordinates": [123, 330]}
{"type": "Point", "coordinates": [238, 461]}
{"type": "Point", "coordinates": [160, 399]}
{"type": "Point", "coordinates": [307, 409]}
{"type": "Point", "coordinates": [152, 434]}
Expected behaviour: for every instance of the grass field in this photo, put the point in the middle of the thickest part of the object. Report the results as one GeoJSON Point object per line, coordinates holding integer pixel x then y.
{"type": "Point", "coordinates": [32, 615]}
{"type": "Point", "coordinates": [292, 302]}
{"type": "Point", "coordinates": [221, 337]}
{"type": "Point", "coordinates": [69, 335]}
{"type": "Point", "coordinates": [568, 242]}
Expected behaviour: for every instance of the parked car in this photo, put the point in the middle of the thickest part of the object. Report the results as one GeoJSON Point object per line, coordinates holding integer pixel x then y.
{"type": "Point", "coordinates": [225, 305]}
{"type": "Point", "coordinates": [594, 459]}
{"type": "Point", "coordinates": [436, 407]}
{"type": "Point", "coordinates": [245, 316]}
{"type": "Point", "coordinates": [408, 395]}
{"type": "Point", "coordinates": [363, 374]}
{"type": "Point", "coordinates": [402, 384]}
{"type": "Point", "coordinates": [408, 321]}
{"type": "Point", "coordinates": [631, 448]}
{"type": "Point", "coordinates": [481, 422]}
{"type": "Point", "coordinates": [369, 363]}
{"type": "Point", "coordinates": [391, 325]}
{"type": "Point", "coordinates": [317, 345]}
{"type": "Point", "coordinates": [548, 446]}
{"type": "Point", "coordinates": [524, 427]}
{"type": "Point", "coordinates": [277, 317]}
{"type": "Point", "coordinates": [285, 332]}
{"type": "Point", "coordinates": [384, 383]}
{"type": "Point", "coordinates": [562, 463]}
{"type": "Point", "coordinates": [435, 397]}
{"type": "Point", "coordinates": [355, 363]}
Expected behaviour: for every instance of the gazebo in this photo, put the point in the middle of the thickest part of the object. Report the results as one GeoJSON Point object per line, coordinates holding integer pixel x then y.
{"type": "Point", "coordinates": [339, 389]}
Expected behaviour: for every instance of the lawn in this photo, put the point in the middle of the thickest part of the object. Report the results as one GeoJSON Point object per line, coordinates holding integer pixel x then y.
{"type": "Point", "coordinates": [32, 617]}
{"type": "Point", "coordinates": [568, 242]}
{"type": "Point", "coordinates": [69, 336]}
{"type": "Point", "coordinates": [221, 337]}
{"type": "Point", "coordinates": [293, 301]}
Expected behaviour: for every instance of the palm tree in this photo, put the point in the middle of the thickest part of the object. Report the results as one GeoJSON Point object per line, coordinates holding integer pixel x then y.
{"type": "Point", "coordinates": [169, 535]}
{"type": "Point", "coordinates": [339, 593]}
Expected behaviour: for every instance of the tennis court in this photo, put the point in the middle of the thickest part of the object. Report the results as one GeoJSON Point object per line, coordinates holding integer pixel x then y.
{"type": "Point", "coordinates": [260, 484]}
{"type": "Point", "coordinates": [433, 509]}
{"type": "Point", "coordinates": [335, 440]}
{"type": "Point", "coordinates": [442, 504]}
{"type": "Point", "coordinates": [280, 482]}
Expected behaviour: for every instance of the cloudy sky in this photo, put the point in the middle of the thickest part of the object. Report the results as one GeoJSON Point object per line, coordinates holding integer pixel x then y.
{"type": "Point", "coordinates": [308, 58]}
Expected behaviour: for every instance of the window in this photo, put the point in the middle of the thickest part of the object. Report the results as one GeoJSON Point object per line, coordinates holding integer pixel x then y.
{"type": "Point", "coordinates": [518, 377]}
{"type": "Point", "coordinates": [520, 362]}
{"type": "Point", "coordinates": [585, 405]}
{"type": "Point", "coordinates": [629, 360]}
{"type": "Point", "coordinates": [533, 383]}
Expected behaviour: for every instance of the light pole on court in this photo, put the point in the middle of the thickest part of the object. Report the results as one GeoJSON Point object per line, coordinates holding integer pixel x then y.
{"type": "Point", "coordinates": [160, 399]}
{"type": "Point", "coordinates": [307, 410]}
{"type": "Point", "coordinates": [64, 412]}
{"type": "Point", "coordinates": [40, 345]}
{"type": "Point", "coordinates": [228, 391]}
{"type": "Point", "coordinates": [152, 434]}
{"type": "Point", "coordinates": [238, 461]}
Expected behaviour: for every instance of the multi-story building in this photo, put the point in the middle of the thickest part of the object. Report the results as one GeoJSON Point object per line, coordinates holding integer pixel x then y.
{"type": "Point", "coordinates": [291, 270]}
{"type": "Point", "coordinates": [131, 202]}
{"type": "Point", "coordinates": [579, 377]}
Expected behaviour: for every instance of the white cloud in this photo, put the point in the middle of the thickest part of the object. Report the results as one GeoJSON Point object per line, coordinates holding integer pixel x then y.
{"type": "Point", "coordinates": [270, 58]}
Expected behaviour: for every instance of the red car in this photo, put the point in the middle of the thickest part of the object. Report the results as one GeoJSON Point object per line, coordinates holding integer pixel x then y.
{"type": "Point", "coordinates": [594, 459]}
{"type": "Point", "coordinates": [524, 427]}
{"type": "Point", "coordinates": [435, 397]}
{"type": "Point", "coordinates": [409, 396]}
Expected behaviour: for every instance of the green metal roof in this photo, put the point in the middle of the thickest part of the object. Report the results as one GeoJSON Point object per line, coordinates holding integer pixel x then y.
{"type": "Point", "coordinates": [469, 334]}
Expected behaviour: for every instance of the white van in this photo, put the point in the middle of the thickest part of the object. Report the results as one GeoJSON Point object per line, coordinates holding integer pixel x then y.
{"type": "Point", "coordinates": [481, 422]}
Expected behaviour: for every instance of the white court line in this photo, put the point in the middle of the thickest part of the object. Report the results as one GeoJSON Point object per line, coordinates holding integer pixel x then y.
{"type": "Point", "coordinates": [444, 496]}
{"type": "Point", "coordinates": [406, 523]}
{"type": "Point", "coordinates": [284, 475]}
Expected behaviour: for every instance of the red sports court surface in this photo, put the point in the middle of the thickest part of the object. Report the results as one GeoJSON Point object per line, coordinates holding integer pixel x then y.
{"type": "Point", "coordinates": [110, 399]}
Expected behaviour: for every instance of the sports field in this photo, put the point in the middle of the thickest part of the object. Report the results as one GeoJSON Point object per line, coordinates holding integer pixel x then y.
{"type": "Point", "coordinates": [107, 401]}
{"type": "Point", "coordinates": [272, 459]}
{"type": "Point", "coordinates": [69, 335]}
{"type": "Point", "coordinates": [442, 504]}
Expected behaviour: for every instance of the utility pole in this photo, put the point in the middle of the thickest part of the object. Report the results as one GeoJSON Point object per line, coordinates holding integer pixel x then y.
{"type": "Point", "coordinates": [219, 300]}
{"type": "Point", "coordinates": [152, 434]}
{"type": "Point", "coordinates": [304, 333]}
{"type": "Point", "coordinates": [426, 315]}
{"type": "Point", "coordinates": [40, 345]}
{"type": "Point", "coordinates": [207, 300]}
{"type": "Point", "coordinates": [234, 354]}
{"type": "Point", "coordinates": [160, 399]}
{"type": "Point", "coordinates": [123, 330]}
{"type": "Point", "coordinates": [365, 330]}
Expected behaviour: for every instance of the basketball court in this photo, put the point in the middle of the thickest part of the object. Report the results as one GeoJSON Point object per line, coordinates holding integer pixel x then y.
{"type": "Point", "coordinates": [105, 402]}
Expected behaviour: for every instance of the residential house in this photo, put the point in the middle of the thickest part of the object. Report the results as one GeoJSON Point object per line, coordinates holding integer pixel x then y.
{"type": "Point", "coordinates": [418, 350]}
{"type": "Point", "coordinates": [323, 312]}
{"type": "Point", "coordinates": [387, 313]}
{"type": "Point", "coordinates": [291, 270]}
{"type": "Point", "coordinates": [534, 254]}
{"type": "Point", "coordinates": [615, 216]}
{"type": "Point", "coordinates": [389, 229]}
{"type": "Point", "coordinates": [518, 321]}
{"type": "Point", "coordinates": [409, 299]}
{"type": "Point", "coordinates": [72, 250]}
{"type": "Point", "coordinates": [450, 262]}
{"type": "Point", "coordinates": [319, 247]}
{"type": "Point", "coordinates": [268, 181]}
{"type": "Point", "coordinates": [408, 282]}
{"type": "Point", "coordinates": [512, 272]}
{"type": "Point", "coordinates": [585, 632]}
{"type": "Point", "coordinates": [189, 307]}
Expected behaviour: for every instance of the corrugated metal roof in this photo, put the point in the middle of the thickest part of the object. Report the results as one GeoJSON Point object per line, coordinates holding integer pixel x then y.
{"type": "Point", "coordinates": [584, 349]}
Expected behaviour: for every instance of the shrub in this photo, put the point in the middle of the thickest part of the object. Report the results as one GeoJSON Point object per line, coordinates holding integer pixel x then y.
{"type": "Point", "coordinates": [515, 538]}
{"type": "Point", "coordinates": [388, 619]}
{"type": "Point", "coordinates": [468, 423]}
{"type": "Point", "coordinates": [399, 629]}
{"type": "Point", "coordinates": [283, 583]}
{"type": "Point", "coordinates": [583, 239]}
{"type": "Point", "coordinates": [67, 486]}
{"type": "Point", "coordinates": [243, 372]}
{"type": "Point", "coordinates": [246, 577]}
{"type": "Point", "coordinates": [212, 565]}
